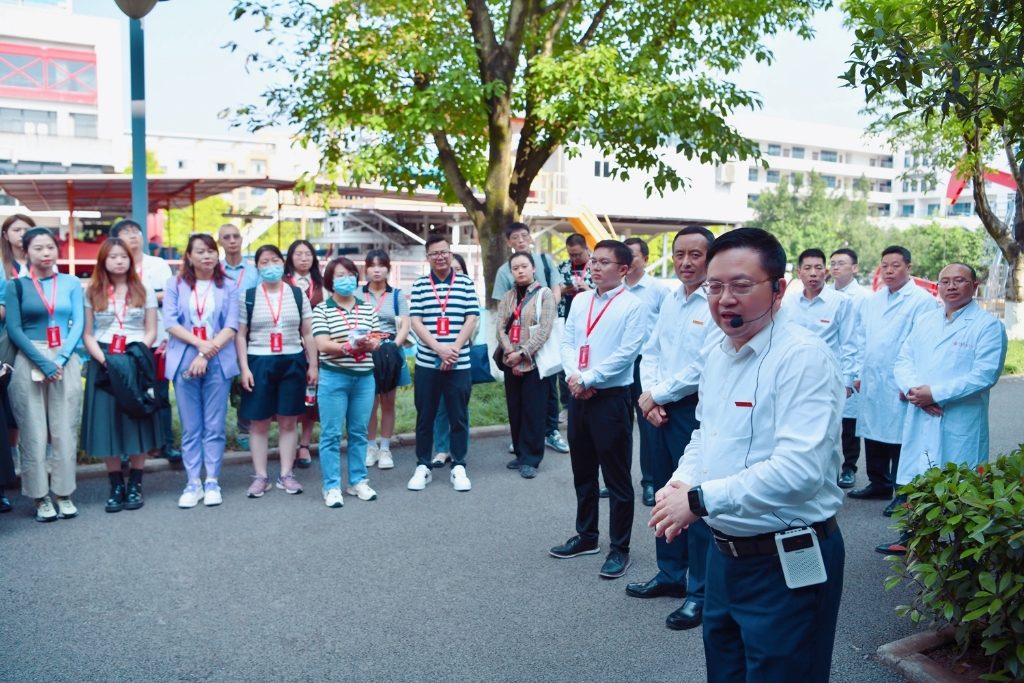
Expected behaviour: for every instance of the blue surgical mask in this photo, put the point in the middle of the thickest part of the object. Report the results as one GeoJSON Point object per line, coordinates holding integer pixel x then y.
{"type": "Point", "coordinates": [345, 286]}
{"type": "Point", "coordinates": [272, 273]}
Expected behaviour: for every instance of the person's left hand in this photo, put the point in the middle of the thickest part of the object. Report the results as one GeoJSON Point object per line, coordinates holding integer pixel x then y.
{"type": "Point", "coordinates": [312, 375]}
{"type": "Point", "coordinates": [672, 514]}
{"type": "Point", "coordinates": [646, 402]}
{"type": "Point", "coordinates": [657, 416]}
{"type": "Point", "coordinates": [935, 410]}
{"type": "Point", "coordinates": [921, 396]}
{"type": "Point", "coordinates": [514, 358]}
{"type": "Point", "coordinates": [849, 392]}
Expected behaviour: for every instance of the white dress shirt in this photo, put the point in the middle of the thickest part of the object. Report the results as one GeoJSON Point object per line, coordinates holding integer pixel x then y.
{"type": "Point", "coordinates": [154, 273]}
{"type": "Point", "coordinates": [653, 293]}
{"type": "Point", "coordinates": [831, 316]}
{"type": "Point", "coordinates": [674, 356]}
{"type": "Point", "coordinates": [767, 453]}
{"type": "Point", "coordinates": [614, 343]}
{"type": "Point", "coordinates": [858, 294]}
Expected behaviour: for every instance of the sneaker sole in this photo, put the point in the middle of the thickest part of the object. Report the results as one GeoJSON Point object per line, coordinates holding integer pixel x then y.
{"type": "Point", "coordinates": [258, 495]}
{"type": "Point", "coordinates": [609, 575]}
{"type": "Point", "coordinates": [207, 503]}
{"type": "Point", "coordinates": [382, 466]}
{"type": "Point", "coordinates": [560, 556]}
{"type": "Point", "coordinates": [44, 520]}
{"type": "Point", "coordinates": [356, 495]}
{"type": "Point", "coordinates": [425, 482]}
{"type": "Point", "coordinates": [556, 449]}
{"type": "Point", "coordinates": [287, 491]}
{"type": "Point", "coordinates": [61, 515]}
{"type": "Point", "coordinates": [133, 506]}
{"type": "Point", "coordinates": [334, 507]}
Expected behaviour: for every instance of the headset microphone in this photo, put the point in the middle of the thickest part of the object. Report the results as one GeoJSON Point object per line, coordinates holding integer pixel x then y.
{"type": "Point", "coordinates": [737, 323]}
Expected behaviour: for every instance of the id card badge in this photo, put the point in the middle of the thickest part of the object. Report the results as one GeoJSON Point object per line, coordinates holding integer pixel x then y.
{"type": "Point", "coordinates": [276, 342]}
{"type": "Point", "coordinates": [443, 327]}
{"type": "Point", "coordinates": [117, 344]}
{"type": "Point", "coordinates": [53, 336]}
{"type": "Point", "coordinates": [584, 357]}
{"type": "Point", "coordinates": [359, 357]}
{"type": "Point", "coordinates": [515, 333]}
{"type": "Point", "coordinates": [199, 332]}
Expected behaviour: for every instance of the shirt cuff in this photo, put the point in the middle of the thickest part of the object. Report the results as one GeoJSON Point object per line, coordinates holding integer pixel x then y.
{"type": "Point", "coordinates": [716, 497]}
{"type": "Point", "coordinates": [849, 379]}
{"type": "Point", "coordinates": [587, 378]}
{"type": "Point", "coordinates": [662, 396]}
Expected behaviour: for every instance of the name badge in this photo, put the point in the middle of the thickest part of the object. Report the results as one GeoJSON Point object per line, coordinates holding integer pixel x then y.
{"type": "Point", "coordinates": [117, 344]}
{"type": "Point", "coordinates": [53, 336]}
{"type": "Point", "coordinates": [199, 332]}
{"type": "Point", "coordinates": [515, 333]}
{"type": "Point", "coordinates": [744, 404]}
{"type": "Point", "coordinates": [443, 327]}
{"type": "Point", "coordinates": [698, 322]}
{"type": "Point", "coordinates": [825, 321]}
{"type": "Point", "coordinates": [584, 357]}
{"type": "Point", "coordinates": [276, 342]}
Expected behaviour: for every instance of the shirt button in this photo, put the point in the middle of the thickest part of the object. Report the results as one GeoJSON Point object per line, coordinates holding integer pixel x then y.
{"type": "Point", "coordinates": [705, 470]}
{"type": "Point", "coordinates": [725, 395]}
{"type": "Point", "coordinates": [714, 433]}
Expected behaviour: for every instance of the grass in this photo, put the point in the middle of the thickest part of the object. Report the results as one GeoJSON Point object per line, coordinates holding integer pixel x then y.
{"type": "Point", "coordinates": [1014, 358]}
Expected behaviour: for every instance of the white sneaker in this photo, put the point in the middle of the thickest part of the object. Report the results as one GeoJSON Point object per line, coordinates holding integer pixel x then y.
{"type": "Point", "coordinates": [511, 448]}
{"type": "Point", "coordinates": [191, 496]}
{"type": "Point", "coordinates": [362, 490]}
{"type": "Point", "coordinates": [65, 508]}
{"type": "Point", "coordinates": [213, 496]}
{"type": "Point", "coordinates": [371, 455]}
{"type": "Point", "coordinates": [385, 462]}
{"type": "Point", "coordinates": [420, 478]}
{"type": "Point", "coordinates": [333, 499]}
{"type": "Point", "coordinates": [459, 479]}
{"type": "Point", "coordinates": [45, 511]}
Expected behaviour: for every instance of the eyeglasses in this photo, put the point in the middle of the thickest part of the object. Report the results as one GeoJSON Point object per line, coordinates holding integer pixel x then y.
{"type": "Point", "coordinates": [231, 236]}
{"type": "Point", "coordinates": [604, 263]}
{"type": "Point", "coordinates": [129, 231]}
{"type": "Point", "coordinates": [958, 281]}
{"type": "Point", "coordinates": [736, 287]}
{"type": "Point", "coordinates": [839, 264]}
{"type": "Point", "coordinates": [439, 254]}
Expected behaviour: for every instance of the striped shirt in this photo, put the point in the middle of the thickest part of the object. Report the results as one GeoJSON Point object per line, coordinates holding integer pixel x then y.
{"type": "Point", "coordinates": [328, 319]}
{"type": "Point", "coordinates": [461, 304]}
{"type": "Point", "coordinates": [289, 321]}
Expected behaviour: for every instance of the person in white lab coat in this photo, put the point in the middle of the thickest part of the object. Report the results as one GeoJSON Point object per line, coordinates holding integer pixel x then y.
{"type": "Point", "coordinates": [889, 315]}
{"type": "Point", "coordinates": [946, 367]}
{"type": "Point", "coordinates": [843, 265]}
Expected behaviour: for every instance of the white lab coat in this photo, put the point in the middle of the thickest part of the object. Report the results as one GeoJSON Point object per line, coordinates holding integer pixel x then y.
{"type": "Point", "coordinates": [887, 322]}
{"type": "Point", "coordinates": [859, 294]}
{"type": "Point", "coordinates": [960, 360]}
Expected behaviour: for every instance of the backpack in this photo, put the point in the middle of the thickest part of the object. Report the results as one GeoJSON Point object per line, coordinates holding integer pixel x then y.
{"type": "Point", "coordinates": [250, 304]}
{"type": "Point", "coordinates": [8, 351]}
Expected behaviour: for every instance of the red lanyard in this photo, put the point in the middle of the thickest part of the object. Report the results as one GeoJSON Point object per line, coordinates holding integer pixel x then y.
{"type": "Point", "coordinates": [50, 306]}
{"type": "Point", "coordinates": [381, 301]}
{"type": "Point", "coordinates": [270, 307]}
{"type": "Point", "coordinates": [309, 290]}
{"type": "Point", "coordinates": [590, 327]}
{"type": "Point", "coordinates": [444, 306]}
{"type": "Point", "coordinates": [579, 279]}
{"type": "Point", "coordinates": [519, 308]}
{"type": "Point", "coordinates": [202, 307]}
{"type": "Point", "coordinates": [355, 314]}
{"type": "Point", "coordinates": [124, 309]}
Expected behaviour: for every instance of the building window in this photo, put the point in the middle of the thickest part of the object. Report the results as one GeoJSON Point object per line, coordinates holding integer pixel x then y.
{"type": "Point", "coordinates": [886, 162]}
{"type": "Point", "coordinates": [913, 186]}
{"type": "Point", "coordinates": [753, 174]}
{"type": "Point", "coordinates": [814, 156]}
{"type": "Point", "coordinates": [224, 167]}
{"type": "Point", "coordinates": [961, 209]}
{"type": "Point", "coordinates": [258, 167]}
{"type": "Point", "coordinates": [774, 150]}
{"type": "Point", "coordinates": [182, 164]}
{"type": "Point", "coordinates": [798, 152]}
{"type": "Point", "coordinates": [752, 198]}
{"type": "Point", "coordinates": [28, 121]}
{"type": "Point", "coordinates": [830, 181]}
{"type": "Point", "coordinates": [885, 186]}
{"type": "Point", "coordinates": [774, 176]}
{"type": "Point", "coordinates": [934, 209]}
{"type": "Point", "coordinates": [826, 155]}
{"type": "Point", "coordinates": [906, 186]}
{"type": "Point", "coordinates": [908, 161]}
{"type": "Point", "coordinates": [85, 125]}
{"type": "Point", "coordinates": [907, 210]}
{"type": "Point", "coordinates": [597, 169]}
{"type": "Point", "coordinates": [40, 73]}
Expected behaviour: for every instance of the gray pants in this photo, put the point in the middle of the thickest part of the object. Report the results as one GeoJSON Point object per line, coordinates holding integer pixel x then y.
{"type": "Point", "coordinates": [47, 410]}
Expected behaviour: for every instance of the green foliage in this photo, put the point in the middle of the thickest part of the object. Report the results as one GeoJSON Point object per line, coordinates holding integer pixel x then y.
{"type": "Point", "coordinates": [966, 556]}
{"type": "Point", "coordinates": [1014, 358]}
{"type": "Point", "coordinates": [209, 217]}
{"type": "Point", "coordinates": [152, 165]}
{"type": "Point", "coordinates": [933, 246]}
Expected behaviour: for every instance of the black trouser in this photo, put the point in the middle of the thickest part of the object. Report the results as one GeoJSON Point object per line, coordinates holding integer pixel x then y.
{"type": "Point", "coordinates": [883, 460]}
{"type": "Point", "coordinates": [163, 392]}
{"type": "Point", "coordinates": [430, 385]}
{"type": "Point", "coordinates": [851, 444]}
{"type": "Point", "coordinates": [646, 468]}
{"type": "Point", "coordinates": [552, 406]}
{"type": "Point", "coordinates": [601, 436]}
{"type": "Point", "coordinates": [526, 414]}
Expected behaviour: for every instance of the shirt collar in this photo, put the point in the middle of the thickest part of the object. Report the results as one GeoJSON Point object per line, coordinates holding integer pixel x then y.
{"type": "Point", "coordinates": [449, 279]}
{"type": "Point", "coordinates": [760, 340]}
{"type": "Point", "coordinates": [957, 313]}
{"type": "Point", "coordinates": [331, 303]}
{"type": "Point", "coordinates": [610, 293]}
{"type": "Point", "coordinates": [680, 293]}
{"type": "Point", "coordinates": [904, 290]}
{"type": "Point", "coordinates": [642, 283]}
{"type": "Point", "coordinates": [821, 296]}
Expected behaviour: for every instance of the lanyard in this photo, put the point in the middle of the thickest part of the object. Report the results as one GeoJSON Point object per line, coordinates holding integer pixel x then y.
{"type": "Point", "coordinates": [201, 307]}
{"type": "Point", "coordinates": [355, 314]}
{"type": "Point", "coordinates": [519, 308]}
{"type": "Point", "coordinates": [50, 306]}
{"type": "Point", "coordinates": [590, 327]}
{"type": "Point", "coordinates": [444, 306]}
{"type": "Point", "coordinates": [582, 276]}
{"type": "Point", "coordinates": [124, 309]}
{"type": "Point", "coordinates": [270, 307]}
{"type": "Point", "coordinates": [381, 301]}
{"type": "Point", "coordinates": [309, 290]}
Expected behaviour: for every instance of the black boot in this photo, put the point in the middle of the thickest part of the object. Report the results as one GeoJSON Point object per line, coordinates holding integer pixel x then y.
{"type": "Point", "coordinates": [134, 500]}
{"type": "Point", "coordinates": [115, 503]}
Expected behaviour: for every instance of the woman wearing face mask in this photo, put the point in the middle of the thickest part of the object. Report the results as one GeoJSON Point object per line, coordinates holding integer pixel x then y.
{"type": "Point", "coordinates": [119, 310]}
{"type": "Point", "coordinates": [45, 321]}
{"type": "Point", "coordinates": [274, 325]}
{"type": "Point", "coordinates": [442, 428]}
{"type": "Point", "coordinates": [302, 269]}
{"type": "Point", "coordinates": [201, 317]}
{"type": "Point", "coordinates": [344, 327]}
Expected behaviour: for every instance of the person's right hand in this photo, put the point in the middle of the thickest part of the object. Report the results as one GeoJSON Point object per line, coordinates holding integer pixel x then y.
{"type": "Point", "coordinates": [934, 409]}
{"type": "Point", "coordinates": [247, 380]}
{"type": "Point", "coordinates": [646, 402]}
{"type": "Point", "coordinates": [207, 348]}
{"type": "Point", "coordinates": [665, 490]}
{"type": "Point", "coordinates": [856, 385]}
{"type": "Point", "coordinates": [447, 354]}
{"type": "Point", "coordinates": [657, 416]}
{"type": "Point", "coordinates": [198, 367]}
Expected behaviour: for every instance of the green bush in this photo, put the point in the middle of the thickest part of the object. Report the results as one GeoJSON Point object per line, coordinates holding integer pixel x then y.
{"type": "Point", "coordinates": [967, 557]}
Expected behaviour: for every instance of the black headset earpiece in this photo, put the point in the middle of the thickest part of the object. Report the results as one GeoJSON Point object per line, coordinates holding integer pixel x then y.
{"type": "Point", "coordinates": [775, 285]}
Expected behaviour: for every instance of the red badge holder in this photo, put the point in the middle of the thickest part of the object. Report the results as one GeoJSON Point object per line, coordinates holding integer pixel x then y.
{"type": "Point", "coordinates": [443, 327]}
{"type": "Point", "coordinates": [584, 357]}
{"type": "Point", "coordinates": [199, 332]}
{"type": "Point", "coordinates": [53, 337]}
{"type": "Point", "coordinates": [276, 342]}
{"type": "Point", "coordinates": [117, 344]}
{"type": "Point", "coordinates": [515, 332]}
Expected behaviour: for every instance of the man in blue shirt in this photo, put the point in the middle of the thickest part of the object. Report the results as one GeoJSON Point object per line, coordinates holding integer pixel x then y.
{"type": "Point", "coordinates": [246, 276]}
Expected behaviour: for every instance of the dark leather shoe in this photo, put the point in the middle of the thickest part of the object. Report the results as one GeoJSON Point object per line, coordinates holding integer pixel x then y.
{"type": "Point", "coordinates": [5, 505]}
{"type": "Point", "coordinates": [303, 463]}
{"type": "Point", "coordinates": [615, 566]}
{"type": "Point", "coordinates": [574, 547]}
{"type": "Point", "coordinates": [649, 495]}
{"type": "Point", "coordinates": [172, 454]}
{"type": "Point", "coordinates": [115, 502]}
{"type": "Point", "coordinates": [894, 505]}
{"type": "Point", "coordinates": [133, 500]}
{"type": "Point", "coordinates": [690, 615]}
{"type": "Point", "coordinates": [604, 493]}
{"type": "Point", "coordinates": [513, 464]}
{"type": "Point", "coordinates": [655, 589]}
{"type": "Point", "coordinates": [847, 479]}
{"type": "Point", "coordinates": [897, 548]}
{"type": "Point", "coordinates": [872, 491]}
{"type": "Point", "coordinates": [527, 471]}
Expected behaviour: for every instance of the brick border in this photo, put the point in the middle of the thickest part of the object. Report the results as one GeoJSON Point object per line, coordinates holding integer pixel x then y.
{"type": "Point", "coordinates": [905, 657]}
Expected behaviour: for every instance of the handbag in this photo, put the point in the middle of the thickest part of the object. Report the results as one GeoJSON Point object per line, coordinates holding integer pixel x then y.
{"type": "Point", "coordinates": [548, 359]}
{"type": "Point", "coordinates": [480, 364]}
{"type": "Point", "coordinates": [8, 351]}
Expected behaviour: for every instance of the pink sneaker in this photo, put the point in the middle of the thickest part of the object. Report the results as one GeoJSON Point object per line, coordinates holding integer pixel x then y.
{"type": "Point", "coordinates": [260, 485]}
{"type": "Point", "coordinates": [288, 483]}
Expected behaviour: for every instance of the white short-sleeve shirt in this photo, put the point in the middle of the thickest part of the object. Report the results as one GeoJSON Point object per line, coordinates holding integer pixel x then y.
{"type": "Point", "coordinates": [106, 323]}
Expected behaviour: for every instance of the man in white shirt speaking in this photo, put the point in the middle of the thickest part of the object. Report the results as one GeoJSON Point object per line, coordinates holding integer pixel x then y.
{"type": "Point", "coordinates": [765, 460]}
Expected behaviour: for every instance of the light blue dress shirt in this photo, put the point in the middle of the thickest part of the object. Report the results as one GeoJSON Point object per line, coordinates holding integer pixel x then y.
{"type": "Point", "coordinates": [614, 343]}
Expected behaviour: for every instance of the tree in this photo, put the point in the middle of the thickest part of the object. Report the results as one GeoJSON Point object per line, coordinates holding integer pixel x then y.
{"type": "Point", "coordinates": [209, 215]}
{"type": "Point", "coordinates": [947, 79]}
{"type": "Point", "coordinates": [432, 93]}
{"type": "Point", "coordinates": [152, 165]}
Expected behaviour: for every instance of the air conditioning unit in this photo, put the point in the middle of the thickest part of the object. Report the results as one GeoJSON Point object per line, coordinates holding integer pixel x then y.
{"type": "Point", "coordinates": [725, 174]}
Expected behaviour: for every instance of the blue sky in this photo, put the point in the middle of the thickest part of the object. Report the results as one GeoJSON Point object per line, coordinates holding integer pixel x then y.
{"type": "Point", "coordinates": [190, 78]}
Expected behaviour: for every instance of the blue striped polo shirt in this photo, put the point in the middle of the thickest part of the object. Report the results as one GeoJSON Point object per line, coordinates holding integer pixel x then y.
{"type": "Point", "coordinates": [461, 302]}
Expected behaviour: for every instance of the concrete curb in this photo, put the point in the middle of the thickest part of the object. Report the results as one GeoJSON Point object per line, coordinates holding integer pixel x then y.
{"type": "Point", "coordinates": [99, 470]}
{"type": "Point", "coordinates": [905, 657]}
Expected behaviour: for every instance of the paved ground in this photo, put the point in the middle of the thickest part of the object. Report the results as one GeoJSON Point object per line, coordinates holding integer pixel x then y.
{"type": "Point", "coordinates": [437, 585]}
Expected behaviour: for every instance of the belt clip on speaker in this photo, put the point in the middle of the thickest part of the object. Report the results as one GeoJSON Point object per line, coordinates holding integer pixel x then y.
{"type": "Point", "coordinates": [800, 555]}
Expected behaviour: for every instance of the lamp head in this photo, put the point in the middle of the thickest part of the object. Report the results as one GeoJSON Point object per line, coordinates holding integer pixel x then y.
{"type": "Point", "coordinates": [136, 9]}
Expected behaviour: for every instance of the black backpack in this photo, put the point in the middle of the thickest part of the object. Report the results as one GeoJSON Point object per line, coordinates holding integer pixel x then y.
{"type": "Point", "coordinates": [250, 304]}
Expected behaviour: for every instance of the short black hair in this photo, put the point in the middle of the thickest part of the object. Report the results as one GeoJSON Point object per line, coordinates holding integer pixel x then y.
{"type": "Point", "coordinates": [644, 249]}
{"type": "Point", "coordinates": [896, 249]}
{"type": "Point", "coordinates": [32, 233]}
{"type": "Point", "coordinates": [623, 254]}
{"type": "Point", "coordinates": [525, 254]}
{"type": "Point", "coordinates": [695, 230]}
{"type": "Point", "coordinates": [514, 228]}
{"type": "Point", "coordinates": [434, 239]}
{"type": "Point", "coordinates": [810, 253]}
{"type": "Point", "coordinates": [345, 263]}
{"type": "Point", "coordinates": [576, 240]}
{"type": "Point", "coordinates": [379, 256]}
{"type": "Point", "coordinates": [116, 228]}
{"type": "Point", "coordinates": [847, 252]}
{"type": "Point", "coordinates": [264, 249]}
{"type": "Point", "coordinates": [771, 253]}
{"type": "Point", "coordinates": [974, 274]}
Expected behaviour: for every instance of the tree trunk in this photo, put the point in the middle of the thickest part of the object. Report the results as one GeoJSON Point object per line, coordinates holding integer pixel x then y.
{"type": "Point", "coordinates": [494, 251]}
{"type": "Point", "coordinates": [1013, 315]}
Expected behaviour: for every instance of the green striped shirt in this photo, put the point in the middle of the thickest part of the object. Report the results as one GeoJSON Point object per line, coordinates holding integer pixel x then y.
{"type": "Point", "coordinates": [330, 319]}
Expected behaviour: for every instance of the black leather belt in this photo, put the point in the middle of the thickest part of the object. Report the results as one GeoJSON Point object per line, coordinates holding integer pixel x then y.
{"type": "Point", "coordinates": [613, 391]}
{"type": "Point", "coordinates": [764, 544]}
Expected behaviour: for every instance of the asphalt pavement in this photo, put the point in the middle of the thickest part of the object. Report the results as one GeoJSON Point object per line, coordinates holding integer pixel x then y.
{"type": "Point", "coordinates": [415, 586]}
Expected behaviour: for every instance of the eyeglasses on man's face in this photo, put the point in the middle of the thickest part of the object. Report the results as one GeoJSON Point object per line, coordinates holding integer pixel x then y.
{"type": "Point", "coordinates": [602, 263]}
{"type": "Point", "coordinates": [439, 254]}
{"type": "Point", "coordinates": [231, 236]}
{"type": "Point", "coordinates": [958, 281]}
{"type": "Point", "coordinates": [736, 287]}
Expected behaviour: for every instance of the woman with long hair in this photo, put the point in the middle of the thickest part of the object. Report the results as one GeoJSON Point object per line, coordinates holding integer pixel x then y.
{"type": "Point", "coordinates": [15, 261]}
{"type": "Point", "coordinates": [45, 321]}
{"type": "Point", "coordinates": [119, 311]}
{"type": "Point", "coordinates": [344, 327]}
{"type": "Point", "coordinates": [276, 353]}
{"type": "Point", "coordinates": [201, 317]}
{"type": "Point", "coordinates": [392, 310]}
{"type": "Point", "coordinates": [302, 270]}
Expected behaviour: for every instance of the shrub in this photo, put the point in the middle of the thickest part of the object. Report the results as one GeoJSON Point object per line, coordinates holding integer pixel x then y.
{"type": "Point", "coordinates": [967, 557]}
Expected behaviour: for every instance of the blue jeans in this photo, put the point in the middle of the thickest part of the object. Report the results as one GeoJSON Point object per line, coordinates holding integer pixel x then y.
{"type": "Point", "coordinates": [344, 398]}
{"type": "Point", "coordinates": [442, 430]}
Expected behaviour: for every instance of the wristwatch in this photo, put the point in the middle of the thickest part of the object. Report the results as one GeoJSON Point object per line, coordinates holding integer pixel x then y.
{"type": "Point", "coordinates": [696, 500]}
